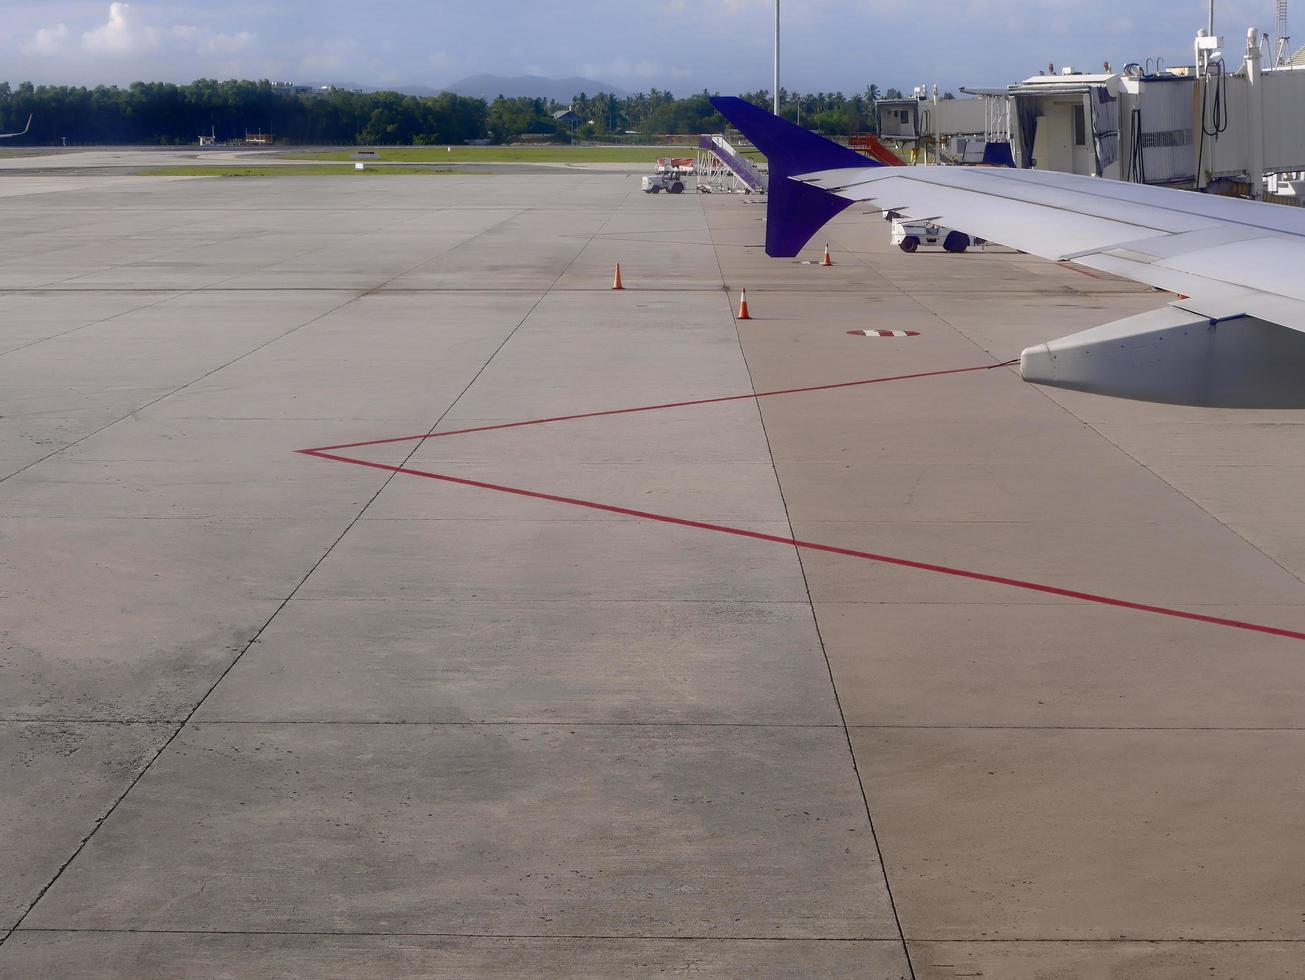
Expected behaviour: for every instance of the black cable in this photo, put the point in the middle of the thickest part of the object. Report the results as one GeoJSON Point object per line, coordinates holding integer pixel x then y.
{"type": "Point", "coordinates": [1218, 114]}
{"type": "Point", "coordinates": [1137, 162]}
{"type": "Point", "coordinates": [1219, 108]}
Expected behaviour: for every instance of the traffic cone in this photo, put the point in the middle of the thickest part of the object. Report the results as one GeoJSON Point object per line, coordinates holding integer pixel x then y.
{"type": "Point", "coordinates": [616, 283]}
{"type": "Point", "coordinates": [743, 306]}
{"type": "Point", "coordinates": [826, 261]}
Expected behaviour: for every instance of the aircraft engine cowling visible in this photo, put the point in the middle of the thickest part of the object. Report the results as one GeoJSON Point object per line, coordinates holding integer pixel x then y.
{"type": "Point", "coordinates": [1178, 358]}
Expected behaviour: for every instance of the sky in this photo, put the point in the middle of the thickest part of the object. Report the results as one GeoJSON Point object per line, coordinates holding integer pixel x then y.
{"type": "Point", "coordinates": [681, 45]}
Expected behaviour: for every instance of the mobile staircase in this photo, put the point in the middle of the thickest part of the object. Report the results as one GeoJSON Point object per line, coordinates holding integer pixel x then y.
{"type": "Point", "coordinates": [875, 148]}
{"type": "Point", "coordinates": [723, 170]}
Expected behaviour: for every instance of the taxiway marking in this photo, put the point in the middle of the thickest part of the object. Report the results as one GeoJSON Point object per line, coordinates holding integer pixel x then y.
{"type": "Point", "coordinates": [329, 453]}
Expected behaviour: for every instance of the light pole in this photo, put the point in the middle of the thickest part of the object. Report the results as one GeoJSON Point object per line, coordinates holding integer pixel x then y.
{"type": "Point", "coordinates": [776, 91]}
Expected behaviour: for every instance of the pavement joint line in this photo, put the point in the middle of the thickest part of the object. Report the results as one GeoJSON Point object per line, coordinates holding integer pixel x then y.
{"type": "Point", "coordinates": [602, 937]}
{"type": "Point", "coordinates": [92, 323]}
{"type": "Point", "coordinates": [163, 747]}
{"type": "Point", "coordinates": [610, 937]}
{"type": "Point", "coordinates": [824, 650]}
{"type": "Point", "coordinates": [536, 723]}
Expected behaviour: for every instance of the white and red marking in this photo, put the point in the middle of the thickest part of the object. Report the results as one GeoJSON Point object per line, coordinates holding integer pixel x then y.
{"type": "Point", "coordinates": [883, 333]}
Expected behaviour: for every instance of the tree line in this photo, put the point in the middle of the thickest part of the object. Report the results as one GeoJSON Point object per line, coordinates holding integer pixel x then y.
{"type": "Point", "coordinates": [166, 114]}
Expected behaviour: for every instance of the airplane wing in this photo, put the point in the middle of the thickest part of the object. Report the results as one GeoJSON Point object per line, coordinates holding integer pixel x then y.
{"type": "Point", "coordinates": [1235, 338]}
{"type": "Point", "coordinates": [5, 136]}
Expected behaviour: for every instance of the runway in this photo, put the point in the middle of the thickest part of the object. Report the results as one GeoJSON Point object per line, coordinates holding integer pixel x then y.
{"type": "Point", "coordinates": [386, 595]}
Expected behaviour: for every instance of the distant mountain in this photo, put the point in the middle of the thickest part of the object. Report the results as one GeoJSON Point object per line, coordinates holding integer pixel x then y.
{"type": "Point", "coordinates": [531, 86]}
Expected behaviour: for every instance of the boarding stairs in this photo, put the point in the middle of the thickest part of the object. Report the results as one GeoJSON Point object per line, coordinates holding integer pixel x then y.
{"type": "Point", "coordinates": [724, 170]}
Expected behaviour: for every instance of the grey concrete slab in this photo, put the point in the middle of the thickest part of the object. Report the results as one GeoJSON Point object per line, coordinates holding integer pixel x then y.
{"type": "Point", "coordinates": [530, 250]}
{"type": "Point", "coordinates": [996, 396]}
{"type": "Point", "coordinates": [1284, 543]}
{"type": "Point", "coordinates": [1053, 490]}
{"type": "Point", "coordinates": [556, 559]}
{"type": "Point", "coordinates": [646, 704]}
{"type": "Point", "coordinates": [1180, 564]}
{"type": "Point", "coordinates": [954, 441]}
{"type": "Point", "coordinates": [681, 831]}
{"type": "Point", "coordinates": [56, 781]}
{"type": "Point", "coordinates": [35, 435]}
{"type": "Point", "coordinates": [633, 662]}
{"type": "Point", "coordinates": [36, 407]}
{"type": "Point", "coordinates": [359, 362]}
{"type": "Point", "coordinates": [724, 433]}
{"type": "Point", "coordinates": [117, 656]}
{"type": "Point", "coordinates": [1107, 960]}
{"type": "Point", "coordinates": [262, 485]}
{"type": "Point", "coordinates": [130, 955]}
{"type": "Point", "coordinates": [932, 664]}
{"type": "Point", "coordinates": [1014, 320]}
{"type": "Point", "coordinates": [1227, 441]}
{"type": "Point", "coordinates": [29, 317]}
{"type": "Point", "coordinates": [112, 618]}
{"type": "Point", "coordinates": [1060, 835]}
{"type": "Point", "coordinates": [599, 350]}
{"type": "Point", "coordinates": [738, 493]}
{"type": "Point", "coordinates": [1146, 825]}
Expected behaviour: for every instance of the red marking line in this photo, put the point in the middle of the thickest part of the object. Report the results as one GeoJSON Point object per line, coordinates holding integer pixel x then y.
{"type": "Point", "coordinates": [325, 453]}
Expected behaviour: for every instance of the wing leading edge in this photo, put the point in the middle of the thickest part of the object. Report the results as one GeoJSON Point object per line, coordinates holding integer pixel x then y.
{"type": "Point", "coordinates": [1235, 262]}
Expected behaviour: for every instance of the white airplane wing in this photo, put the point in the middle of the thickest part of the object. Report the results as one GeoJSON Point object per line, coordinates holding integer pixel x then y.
{"type": "Point", "coordinates": [5, 136]}
{"type": "Point", "coordinates": [1235, 338]}
{"type": "Point", "coordinates": [1225, 254]}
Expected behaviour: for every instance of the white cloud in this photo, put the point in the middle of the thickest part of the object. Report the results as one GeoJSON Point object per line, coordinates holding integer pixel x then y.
{"type": "Point", "coordinates": [129, 36]}
{"type": "Point", "coordinates": [124, 33]}
{"type": "Point", "coordinates": [49, 41]}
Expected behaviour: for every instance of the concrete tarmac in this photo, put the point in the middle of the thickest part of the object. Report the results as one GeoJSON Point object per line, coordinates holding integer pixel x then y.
{"type": "Point", "coordinates": [565, 699]}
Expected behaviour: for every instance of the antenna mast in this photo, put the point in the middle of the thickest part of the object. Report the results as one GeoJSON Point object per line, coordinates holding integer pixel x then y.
{"type": "Point", "coordinates": [1284, 47]}
{"type": "Point", "coordinates": [776, 92]}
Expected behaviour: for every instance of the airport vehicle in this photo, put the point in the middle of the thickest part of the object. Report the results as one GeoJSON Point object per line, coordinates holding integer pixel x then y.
{"type": "Point", "coordinates": [1234, 337]}
{"type": "Point", "coordinates": [910, 236]}
{"type": "Point", "coordinates": [26, 129]}
{"type": "Point", "coordinates": [670, 183]}
{"type": "Point", "coordinates": [670, 176]}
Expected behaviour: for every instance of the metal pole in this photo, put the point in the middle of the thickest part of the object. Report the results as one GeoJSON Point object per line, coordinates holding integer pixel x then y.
{"type": "Point", "coordinates": [776, 92]}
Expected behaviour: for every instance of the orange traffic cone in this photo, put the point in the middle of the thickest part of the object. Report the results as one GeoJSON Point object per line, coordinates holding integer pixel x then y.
{"type": "Point", "coordinates": [616, 283]}
{"type": "Point", "coordinates": [826, 261]}
{"type": "Point", "coordinates": [743, 306]}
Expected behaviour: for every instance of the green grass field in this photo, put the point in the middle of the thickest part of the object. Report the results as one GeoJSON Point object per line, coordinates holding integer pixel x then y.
{"type": "Point", "coordinates": [325, 170]}
{"type": "Point", "coordinates": [508, 154]}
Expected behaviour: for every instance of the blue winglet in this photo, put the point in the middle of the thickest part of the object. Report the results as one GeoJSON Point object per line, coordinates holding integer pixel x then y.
{"type": "Point", "coordinates": [794, 211]}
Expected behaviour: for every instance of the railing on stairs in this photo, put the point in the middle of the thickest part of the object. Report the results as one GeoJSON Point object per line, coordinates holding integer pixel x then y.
{"type": "Point", "coordinates": [723, 161]}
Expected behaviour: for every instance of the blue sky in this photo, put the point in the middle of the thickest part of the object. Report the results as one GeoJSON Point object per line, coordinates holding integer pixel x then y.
{"type": "Point", "coordinates": [681, 45]}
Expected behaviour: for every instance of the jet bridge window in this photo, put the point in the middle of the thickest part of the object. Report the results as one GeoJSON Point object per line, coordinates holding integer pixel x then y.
{"type": "Point", "coordinates": [1080, 126]}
